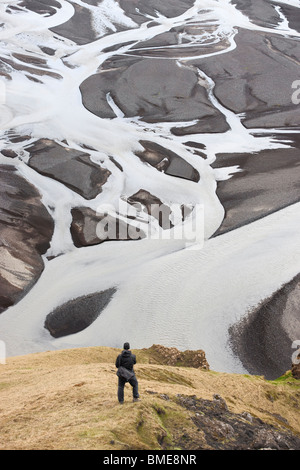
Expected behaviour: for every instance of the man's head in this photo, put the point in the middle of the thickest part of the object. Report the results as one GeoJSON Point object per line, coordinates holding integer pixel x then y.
{"type": "Point", "coordinates": [126, 346]}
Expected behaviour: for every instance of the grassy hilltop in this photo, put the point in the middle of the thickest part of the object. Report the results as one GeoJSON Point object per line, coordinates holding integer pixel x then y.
{"type": "Point", "coordinates": [68, 400]}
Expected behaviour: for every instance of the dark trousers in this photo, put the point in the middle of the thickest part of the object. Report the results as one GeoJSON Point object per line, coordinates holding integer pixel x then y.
{"type": "Point", "coordinates": [133, 382]}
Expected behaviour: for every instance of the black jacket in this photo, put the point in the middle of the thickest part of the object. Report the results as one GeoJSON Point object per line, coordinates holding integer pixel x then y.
{"type": "Point", "coordinates": [126, 359]}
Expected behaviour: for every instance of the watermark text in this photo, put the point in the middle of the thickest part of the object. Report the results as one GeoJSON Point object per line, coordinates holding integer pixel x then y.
{"type": "Point", "coordinates": [296, 354]}
{"type": "Point", "coordinates": [135, 221]}
{"type": "Point", "coordinates": [296, 93]}
{"type": "Point", "coordinates": [2, 352]}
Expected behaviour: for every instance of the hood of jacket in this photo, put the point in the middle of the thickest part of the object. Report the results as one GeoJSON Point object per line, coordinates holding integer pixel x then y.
{"type": "Point", "coordinates": [126, 353]}
{"type": "Point", "coordinates": [127, 359]}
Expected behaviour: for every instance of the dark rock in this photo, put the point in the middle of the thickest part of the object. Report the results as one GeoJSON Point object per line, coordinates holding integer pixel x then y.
{"type": "Point", "coordinates": [167, 161]}
{"type": "Point", "coordinates": [263, 340]}
{"type": "Point", "coordinates": [78, 28]}
{"type": "Point", "coordinates": [151, 89]}
{"type": "Point", "coordinates": [159, 45]}
{"type": "Point", "coordinates": [90, 228]}
{"type": "Point", "coordinates": [76, 315]}
{"type": "Point", "coordinates": [261, 12]}
{"type": "Point", "coordinates": [173, 357]}
{"type": "Point", "coordinates": [218, 430]}
{"type": "Point", "coordinates": [11, 64]}
{"type": "Point", "coordinates": [241, 76]}
{"type": "Point", "coordinates": [280, 419]}
{"type": "Point", "coordinates": [16, 138]}
{"type": "Point", "coordinates": [269, 439]}
{"type": "Point", "coordinates": [206, 125]}
{"type": "Point", "coordinates": [42, 7]}
{"type": "Point", "coordinates": [9, 153]}
{"type": "Point", "coordinates": [26, 231]}
{"type": "Point", "coordinates": [221, 402]}
{"type": "Point", "coordinates": [153, 206]}
{"type": "Point", "coordinates": [83, 227]}
{"type": "Point", "coordinates": [168, 8]}
{"type": "Point", "coordinates": [296, 368]}
{"type": "Point", "coordinates": [225, 430]}
{"type": "Point", "coordinates": [48, 50]}
{"type": "Point", "coordinates": [29, 59]}
{"type": "Point", "coordinates": [68, 166]}
{"type": "Point", "coordinates": [260, 188]}
{"type": "Point", "coordinates": [169, 38]}
{"type": "Point", "coordinates": [293, 16]}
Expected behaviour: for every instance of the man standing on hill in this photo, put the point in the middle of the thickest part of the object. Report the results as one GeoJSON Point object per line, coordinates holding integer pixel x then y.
{"type": "Point", "coordinates": [125, 362]}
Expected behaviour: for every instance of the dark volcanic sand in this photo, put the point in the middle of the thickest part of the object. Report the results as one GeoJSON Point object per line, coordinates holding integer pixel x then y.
{"type": "Point", "coordinates": [269, 181]}
{"type": "Point", "coordinates": [151, 89]}
{"type": "Point", "coordinates": [263, 340]}
{"type": "Point", "coordinates": [256, 79]}
{"type": "Point", "coordinates": [71, 167]}
{"type": "Point", "coordinates": [77, 314]}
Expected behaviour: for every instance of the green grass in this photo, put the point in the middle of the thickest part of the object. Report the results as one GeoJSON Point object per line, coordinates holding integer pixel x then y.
{"type": "Point", "coordinates": [286, 379]}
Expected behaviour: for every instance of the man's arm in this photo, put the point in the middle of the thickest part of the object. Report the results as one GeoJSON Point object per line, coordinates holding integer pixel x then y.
{"type": "Point", "coordinates": [118, 362]}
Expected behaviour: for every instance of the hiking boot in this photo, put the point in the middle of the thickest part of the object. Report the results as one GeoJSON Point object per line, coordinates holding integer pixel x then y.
{"type": "Point", "coordinates": [136, 399]}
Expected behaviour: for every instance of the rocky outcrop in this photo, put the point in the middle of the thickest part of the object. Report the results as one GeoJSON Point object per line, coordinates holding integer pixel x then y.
{"type": "Point", "coordinates": [173, 357]}
{"type": "Point", "coordinates": [26, 231]}
{"type": "Point", "coordinates": [90, 228]}
{"type": "Point", "coordinates": [221, 429]}
{"type": "Point", "coordinates": [168, 8]}
{"type": "Point", "coordinates": [77, 314]}
{"type": "Point", "coordinates": [31, 65]}
{"type": "Point", "coordinates": [167, 161]}
{"type": "Point", "coordinates": [79, 28]}
{"type": "Point", "coordinates": [296, 368]}
{"type": "Point", "coordinates": [71, 167]}
{"type": "Point", "coordinates": [255, 79]}
{"type": "Point", "coordinates": [153, 207]}
{"type": "Point", "coordinates": [84, 227]}
{"type": "Point", "coordinates": [42, 7]}
{"type": "Point", "coordinates": [152, 89]}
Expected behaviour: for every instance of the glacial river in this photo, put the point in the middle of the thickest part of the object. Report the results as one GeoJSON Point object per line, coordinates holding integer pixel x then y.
{"type": "Point", "coordinates": [167, 291]}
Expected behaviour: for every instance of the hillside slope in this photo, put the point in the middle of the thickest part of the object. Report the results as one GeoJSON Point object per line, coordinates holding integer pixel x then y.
{"type": "Point", "coordinates": [68, 400]}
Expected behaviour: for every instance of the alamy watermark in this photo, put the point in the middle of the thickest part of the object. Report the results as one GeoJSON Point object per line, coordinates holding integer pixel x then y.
{"type": "Point", "coordinates": [296, 354]}
{"type": "Point", "coordinates": [296, 93]}
{"type": "Point", "coordinates": [135, 221]}
{"type": "Point", "coordinates": [2, 352]}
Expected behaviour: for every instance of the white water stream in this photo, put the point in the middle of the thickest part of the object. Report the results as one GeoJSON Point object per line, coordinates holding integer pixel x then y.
{"type": "Point", "coordinates": [166, 293]}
